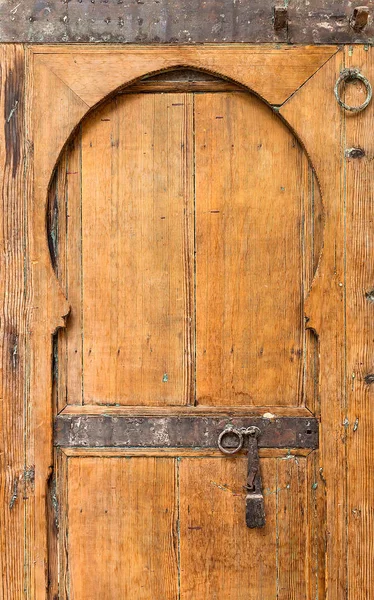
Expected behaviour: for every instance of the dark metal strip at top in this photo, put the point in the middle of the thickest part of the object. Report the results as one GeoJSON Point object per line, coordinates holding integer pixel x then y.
{"type": "Point", "coordinates": [104, 431]}
{"type": "Point", "coordinates": [183, 22]}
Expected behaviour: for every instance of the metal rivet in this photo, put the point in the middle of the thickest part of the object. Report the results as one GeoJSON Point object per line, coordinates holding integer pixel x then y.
{"type": "Point", "coordinates": [359, 18]}
{"type": "Point", "coordinates": [280, 17]}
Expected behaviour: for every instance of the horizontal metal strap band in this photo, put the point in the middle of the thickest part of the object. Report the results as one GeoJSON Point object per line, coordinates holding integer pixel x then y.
{"type": "Point", "coordinates": [103, 431]}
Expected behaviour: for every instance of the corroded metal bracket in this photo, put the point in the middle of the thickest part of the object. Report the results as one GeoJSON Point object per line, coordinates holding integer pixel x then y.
{"type": "Point", "coordinates": [230, 434]}
{"type": "Point", "coordinates": [120, 431]}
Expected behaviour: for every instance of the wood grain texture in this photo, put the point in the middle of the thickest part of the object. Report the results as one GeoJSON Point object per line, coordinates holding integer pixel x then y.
{"type": "Point", "coordinates": [14, 484]}
{"type": "Point", "coordinates": [220, 556]}
{"type": "Point", "coordinates": [183, 515]}
{"type": "Point", "coordinates": [345, 400]}
{"type": "Point", "coordinates": [230, 411]}
{"type": "Point", "coordinates": [130, 330]}
{"type": "Point", "coordinates": [122, 530]}
{"type": "Point", "coordinates": [48, 308]}
{"type": "Point", "coordinates": [325, 305]}
{"type": "Point", "coordinates": [175, 452]}
{"type": "Point", "coordinates": [65, 244]}
{"type": "Point", "coordinates": [271, 72]}
{"type": "Point", "coordinates": [359, 182]}
{"type": "Point", "coordinates": [251, 245]}
{"type": "Point", "coordinates": [133, 292]}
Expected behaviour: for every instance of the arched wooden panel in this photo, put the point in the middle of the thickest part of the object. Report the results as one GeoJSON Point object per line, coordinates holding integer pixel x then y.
{"type": "Point", "coordinates": [256, 249]}
{"type": "Point", "coordinates": [187, 233]}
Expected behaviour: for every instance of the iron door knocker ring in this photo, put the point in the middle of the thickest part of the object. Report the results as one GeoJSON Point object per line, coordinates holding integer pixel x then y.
{"type": "Point", "coordinates": [351, 75]}
{"type": "Point", "coordinates": [230, 430]}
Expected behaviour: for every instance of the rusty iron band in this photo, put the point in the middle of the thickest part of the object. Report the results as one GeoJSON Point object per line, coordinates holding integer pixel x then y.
{"type": "Point", "coordinates": [107, 431]}
{"type": "Point", "coordinates": [350, 75]}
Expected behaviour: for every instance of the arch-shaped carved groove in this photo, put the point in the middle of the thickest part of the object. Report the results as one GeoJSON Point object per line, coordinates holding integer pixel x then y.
{"type": "Point", "coordinates": [99, 142]}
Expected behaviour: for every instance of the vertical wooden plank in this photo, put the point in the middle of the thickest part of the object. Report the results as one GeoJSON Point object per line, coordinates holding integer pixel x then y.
{"type": "Point", "coordinates": [292, 509]}
{"type": "Point", "coordinates": [221, 557]}
{"type": "Point", "coordinates": [137, 179]}
{"type": "Point", "coordinates": [65, 242]}
{"type": "Point", "coordinates": [74, 349]}
{"type": "Point", "coordinates": [313, 218]}
{"type": "Point", "coordinates": [13, 323]}
{"type": "Point", "coordinates": [359, 178]}
{"type": "Point", "coordinates": [122, 534]}
{"type": "Point", "coordinates": [44, 92]}
{"type": "Point", "coordinates": [307, 112]}
{"type": "Point", "coordinates": [62, 497]}
{"type": "Point", "coordinates": [57, 213]}
{"type": "Point", "coordinates": [250, 240]}
{"type": "Point", "coordinates": [316, 538]}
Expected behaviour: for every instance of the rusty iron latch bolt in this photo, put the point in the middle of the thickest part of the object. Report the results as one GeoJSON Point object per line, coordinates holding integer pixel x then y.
{"type": "Point", "coordinates": [254, 502]}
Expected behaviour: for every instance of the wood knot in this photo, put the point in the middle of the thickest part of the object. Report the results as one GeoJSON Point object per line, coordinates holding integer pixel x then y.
{"type": "Point", "coordinates": [354, 152]}
{"type": "Point", "coordinates": [369, 378]}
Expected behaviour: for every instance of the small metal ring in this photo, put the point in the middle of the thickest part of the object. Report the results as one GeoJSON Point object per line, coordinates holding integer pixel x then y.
{"type": "Point", "coordinates": [230, 430]}
{"type": "Point", "coordinates": [253, 431]}
{"type": "Point", "coordinates": [350, 75]}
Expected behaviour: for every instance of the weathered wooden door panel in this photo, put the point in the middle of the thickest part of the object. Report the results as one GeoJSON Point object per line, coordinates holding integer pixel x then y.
{"type": "Point", "coordinates": [131, 324]}
{"type": "Point", "coordinates": [185, 228]}
{"type": "Point", "coordinates": [199, 222]}
{"type": "Point", "coordinates": [254, 234]}
{"type": "Point", "coordinates": [155, 527]}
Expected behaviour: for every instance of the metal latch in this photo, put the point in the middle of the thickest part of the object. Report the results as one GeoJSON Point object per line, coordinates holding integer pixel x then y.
{"type": "Point", "coordinates": [254, 502]}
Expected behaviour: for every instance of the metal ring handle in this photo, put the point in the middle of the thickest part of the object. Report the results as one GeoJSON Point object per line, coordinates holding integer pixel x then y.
{"type": "Point", "coordinates": [227, 431]}
{"type": "Point", "coordinates": [350, 75]}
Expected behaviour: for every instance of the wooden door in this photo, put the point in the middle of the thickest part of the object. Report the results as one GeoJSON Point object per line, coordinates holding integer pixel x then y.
{"type": "Point", "coordinates": [200, 225]}
{"type": "Point", "coordinates": [186, 228]}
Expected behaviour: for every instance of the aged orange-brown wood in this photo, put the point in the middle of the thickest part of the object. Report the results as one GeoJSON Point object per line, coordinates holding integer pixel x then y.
{"type": "Point", "coordinates": [219, 556]}
{"type": "Point", "coordinates": [319, 544]}
{"type": "Point", "coordinates": [122, 528]}
{"type": "Point", "coordinates": [250, 249]}
{"type": "Point", "coordinates": [65, 240]}
{"type": "Point", "coordinates": [270, 71]}
{"type": "Point", "coordinates": [132, 318]}
{"type": "Point", "coordinates": [182, 80]}
{"type": "Point", "coordinates": [294, 411]}
{"type": "Point", "coordinates": [263, 452]}
{"type": "Point", "coordinates": [93, 73]}
{"type": "Point", "coordinates": [14, 480]}
{"type": "Point", "coordinates": [260, 356]}
{"type": "Point", "coordinates": [316, 533]}
{"type": "Point", "coordinates": [48, 309]}
{"type": "Point", "coordinates": [315, 104]}
{"type": "Point", "coordinates": [359, 178]}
